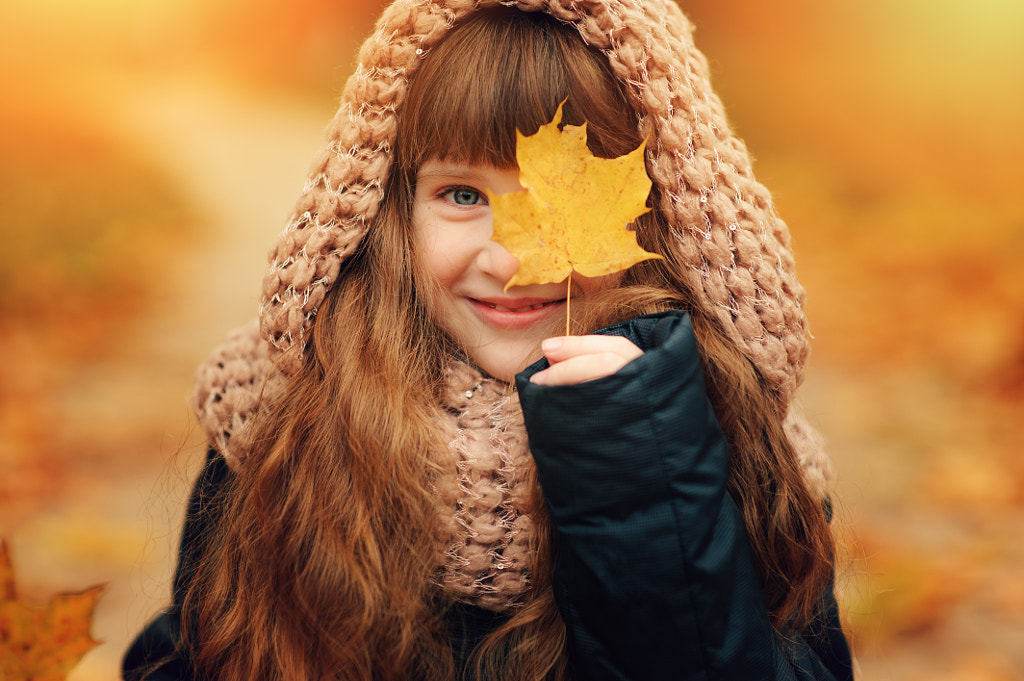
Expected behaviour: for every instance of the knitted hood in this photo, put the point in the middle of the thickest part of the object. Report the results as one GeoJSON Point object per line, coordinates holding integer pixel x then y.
{"type": "Point", "coordinates": [726, 231]}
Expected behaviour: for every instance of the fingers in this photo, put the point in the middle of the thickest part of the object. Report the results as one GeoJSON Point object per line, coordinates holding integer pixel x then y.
{"type": "Point", "coordinates": [576, 359]}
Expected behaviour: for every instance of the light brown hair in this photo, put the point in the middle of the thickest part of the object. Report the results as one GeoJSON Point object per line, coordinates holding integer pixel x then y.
{"type": "Point", "coordinates": [320, 564]}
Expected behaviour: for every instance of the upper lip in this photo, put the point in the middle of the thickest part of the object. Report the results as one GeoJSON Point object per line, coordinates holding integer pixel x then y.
{"type": "Point", "coordinates": [515, 303]}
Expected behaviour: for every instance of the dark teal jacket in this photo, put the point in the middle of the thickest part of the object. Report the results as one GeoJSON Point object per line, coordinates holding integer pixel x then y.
{"type": "Point", "coordinates": [654, 576]}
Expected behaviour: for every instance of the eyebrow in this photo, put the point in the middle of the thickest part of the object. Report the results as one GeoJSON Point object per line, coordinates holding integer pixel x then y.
{"type": "Point", "coordinates": [453, 171]}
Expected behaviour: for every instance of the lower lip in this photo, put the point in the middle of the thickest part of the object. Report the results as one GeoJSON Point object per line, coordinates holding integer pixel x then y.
{"type": "Point", "coordinates": [508, 319]}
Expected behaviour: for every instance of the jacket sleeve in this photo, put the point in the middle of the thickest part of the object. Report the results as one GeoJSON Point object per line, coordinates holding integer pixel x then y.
{"type": "Point", "coordinates": [654, 576]}
{"type": "Point", "coordinates": [154, 654]}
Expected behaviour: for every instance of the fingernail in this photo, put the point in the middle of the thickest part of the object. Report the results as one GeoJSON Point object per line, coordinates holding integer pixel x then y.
{"type": "Point", "coordinates": [539, 378]}
{"type": "Point", "coordinates": [549, 344]}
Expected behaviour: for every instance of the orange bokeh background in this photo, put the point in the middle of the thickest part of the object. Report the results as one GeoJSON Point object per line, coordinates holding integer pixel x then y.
{"type": "Point", "coordinates": [150, 151]}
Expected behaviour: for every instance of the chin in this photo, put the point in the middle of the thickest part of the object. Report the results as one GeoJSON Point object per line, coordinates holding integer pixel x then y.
{"type": "Point", "coordinates": [503, 368]}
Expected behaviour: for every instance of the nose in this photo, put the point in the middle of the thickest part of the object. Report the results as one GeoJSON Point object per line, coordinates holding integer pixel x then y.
{"type": "Point", "coordinates": [496, 261]}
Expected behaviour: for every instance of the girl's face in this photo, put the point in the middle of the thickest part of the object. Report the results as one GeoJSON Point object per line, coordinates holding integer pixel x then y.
{"type": "Point", "coordinates": [500, 330]}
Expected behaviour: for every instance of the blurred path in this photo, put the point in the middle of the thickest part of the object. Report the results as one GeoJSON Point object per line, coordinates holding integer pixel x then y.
{"type": "Point", "coordinates": [241, 161]}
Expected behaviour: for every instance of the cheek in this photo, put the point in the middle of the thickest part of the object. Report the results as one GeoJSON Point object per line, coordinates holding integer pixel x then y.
{"type": "Point", "coordinates": [438, 262]}
{"type": "Point", "coordinates": [445, 255]}
{"type": "Point", "coordinates": [429, 247]}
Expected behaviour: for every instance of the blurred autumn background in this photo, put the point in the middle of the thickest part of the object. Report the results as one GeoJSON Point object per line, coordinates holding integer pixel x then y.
{"type": "Point", "coordinates": [150, 151]}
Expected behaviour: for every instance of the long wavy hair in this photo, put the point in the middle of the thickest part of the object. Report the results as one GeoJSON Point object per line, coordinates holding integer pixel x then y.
{"type": "Point", "coordinates": [320, 556]}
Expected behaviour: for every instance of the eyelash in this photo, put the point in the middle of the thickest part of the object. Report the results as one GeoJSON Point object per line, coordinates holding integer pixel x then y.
{"type": "Point", "coordinates": [481, 196]}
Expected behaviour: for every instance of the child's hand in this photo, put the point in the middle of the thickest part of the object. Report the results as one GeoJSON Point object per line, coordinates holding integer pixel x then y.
{"type": "Point", "coordinates": [575, 359]}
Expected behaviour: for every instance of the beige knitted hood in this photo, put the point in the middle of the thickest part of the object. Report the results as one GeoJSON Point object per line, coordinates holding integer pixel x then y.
{"type": "Point", "coordinates": [736, 248]}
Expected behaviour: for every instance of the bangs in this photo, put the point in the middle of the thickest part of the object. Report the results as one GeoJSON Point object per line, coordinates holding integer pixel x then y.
{"type": "Point", "coordinates": [504, 70]}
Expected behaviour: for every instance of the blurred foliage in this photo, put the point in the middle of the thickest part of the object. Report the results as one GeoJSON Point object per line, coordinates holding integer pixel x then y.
{"type": "Point", "coordinates": [90, 233]}
{"type": "Point", "coordinates": [42, 643]}
{"type": "Point", "coordinates": [86, 228]}
{"type": "Point", "coordinates": [305, 45]}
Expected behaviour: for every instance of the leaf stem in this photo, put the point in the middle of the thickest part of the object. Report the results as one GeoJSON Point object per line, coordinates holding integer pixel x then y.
{"type": "Point", "coordinates": [568, 302]}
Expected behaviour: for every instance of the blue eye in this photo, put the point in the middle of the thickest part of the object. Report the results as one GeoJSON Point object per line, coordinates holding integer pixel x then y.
{"type": "Point", "coordinates": [464, 196]}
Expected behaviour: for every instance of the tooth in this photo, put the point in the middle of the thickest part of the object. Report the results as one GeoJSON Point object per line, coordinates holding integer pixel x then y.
{"type": "Point", "coordinates": [525, 308]}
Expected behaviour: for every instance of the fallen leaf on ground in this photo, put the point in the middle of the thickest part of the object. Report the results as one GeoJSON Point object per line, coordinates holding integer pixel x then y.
{"type": "Point", "coordinates": [42, 644]}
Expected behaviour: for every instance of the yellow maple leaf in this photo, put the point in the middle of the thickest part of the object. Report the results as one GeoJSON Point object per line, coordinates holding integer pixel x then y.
{"type": "Point", "coordinates": [574, 212]}
{"type": "Point", "coordinates": [42, 644]}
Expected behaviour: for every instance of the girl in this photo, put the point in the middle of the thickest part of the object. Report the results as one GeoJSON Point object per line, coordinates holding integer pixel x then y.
{"type": "Point", "coordinates": [390, 495]}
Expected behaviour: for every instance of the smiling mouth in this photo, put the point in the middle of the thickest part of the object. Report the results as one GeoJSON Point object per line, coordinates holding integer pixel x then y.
{"type": "Point", "coordinates": [526, 308]}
